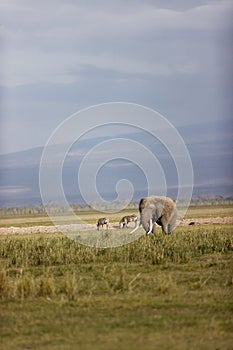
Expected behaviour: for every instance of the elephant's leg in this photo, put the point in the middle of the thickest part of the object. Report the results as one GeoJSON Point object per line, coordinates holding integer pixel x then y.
{"type": "Point", "coordinates": [165, 228]}
{"type": "Point", "coordinates": [168, 226]}
{"type": "Point", "coordinates": [154, 229]}
{"type": "Point", "coordinates": [165, 225]}
{"type": "Point", "coordinates": [172, 224]}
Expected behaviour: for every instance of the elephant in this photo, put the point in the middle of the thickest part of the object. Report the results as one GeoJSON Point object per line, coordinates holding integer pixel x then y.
{"type": "Point", "coordinates": [156, 210]}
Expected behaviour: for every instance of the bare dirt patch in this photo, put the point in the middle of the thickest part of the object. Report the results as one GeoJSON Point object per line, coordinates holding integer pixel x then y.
{"type": "Point", "coordinates": [82, 227]}
{"type": "Point", "coordinates": [203, 221]}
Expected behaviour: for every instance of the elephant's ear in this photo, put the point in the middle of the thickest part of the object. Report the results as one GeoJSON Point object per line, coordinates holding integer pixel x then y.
{"type": "Point", "coordinates": [142, 204]}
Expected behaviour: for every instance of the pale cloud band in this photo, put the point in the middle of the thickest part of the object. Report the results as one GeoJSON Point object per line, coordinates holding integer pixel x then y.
{"type": "Point", "coordinates": [104, 37]}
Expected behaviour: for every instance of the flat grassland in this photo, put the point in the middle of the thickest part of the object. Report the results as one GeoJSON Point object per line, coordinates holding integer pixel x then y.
{"type": "Point", "coordinates": [166, 292]}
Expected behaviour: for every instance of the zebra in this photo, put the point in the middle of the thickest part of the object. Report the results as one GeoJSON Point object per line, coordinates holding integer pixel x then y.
{"type": "Point", "coordinates": [126, 219]}
{"type": "Point", "coordinates": [102, 222]}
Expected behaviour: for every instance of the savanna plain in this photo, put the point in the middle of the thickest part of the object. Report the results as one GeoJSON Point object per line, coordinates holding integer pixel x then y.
{"type": "Point", "coordinates": [158, 292]}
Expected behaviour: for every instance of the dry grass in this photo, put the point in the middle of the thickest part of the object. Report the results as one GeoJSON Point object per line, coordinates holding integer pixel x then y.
{"type": "Point", "coordinates": [160, 291]}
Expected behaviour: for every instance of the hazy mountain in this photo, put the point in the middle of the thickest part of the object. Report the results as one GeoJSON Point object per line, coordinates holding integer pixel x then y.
{"type": "Point", "coordinates": [209, 147]}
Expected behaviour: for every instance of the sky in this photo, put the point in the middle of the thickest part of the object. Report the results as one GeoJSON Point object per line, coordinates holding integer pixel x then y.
{"type": "Point", "coordinates": [58, 57]}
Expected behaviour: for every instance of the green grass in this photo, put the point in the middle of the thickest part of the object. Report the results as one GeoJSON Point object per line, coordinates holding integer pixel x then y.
{"type": "Point", "coordinates": [91, 217]}
{"type": "Point", "coordinates": [209, 211]}
{"type": "Point", "coordinates": [167, 292]}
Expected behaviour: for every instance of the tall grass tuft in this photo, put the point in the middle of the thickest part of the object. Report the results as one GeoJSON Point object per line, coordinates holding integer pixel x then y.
{"type": "Point", "coordinates": [179, 247]}
{"type": "Point", "coordinates": [4, 284]}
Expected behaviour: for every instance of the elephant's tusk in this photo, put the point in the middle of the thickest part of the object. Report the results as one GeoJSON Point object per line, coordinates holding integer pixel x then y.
{"type": "Point", "coordinates": [151, 226]}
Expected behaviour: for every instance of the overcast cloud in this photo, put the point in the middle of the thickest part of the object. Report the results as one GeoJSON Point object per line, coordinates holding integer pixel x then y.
{"type": "Point", "coordinates": [173, 56]}
{"type": "Point", "coordinates": [60, 56]}
{"type": "Point", "coordinates": [50, 41]}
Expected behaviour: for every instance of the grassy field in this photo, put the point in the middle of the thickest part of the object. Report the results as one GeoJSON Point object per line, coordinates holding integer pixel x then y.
{"type": "Point", "coordinates": [92, 217]}
{"type": "Point", "coordinates": [209, 211]}
{"type": "Point", "coordinates": [166, 292]}
{"type": "Point", "coordinates": [86, 216]}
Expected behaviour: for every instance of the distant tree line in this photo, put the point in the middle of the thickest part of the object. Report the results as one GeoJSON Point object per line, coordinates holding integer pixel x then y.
{"type": "Point", "coordinates": [56, 209]}
{"type": "Point", "coordinates": [212, 200]}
